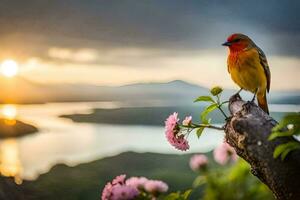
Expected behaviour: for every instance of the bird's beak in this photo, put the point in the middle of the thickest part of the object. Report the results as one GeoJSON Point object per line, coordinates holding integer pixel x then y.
{"type": "Point", "coordinates": [226, 44]}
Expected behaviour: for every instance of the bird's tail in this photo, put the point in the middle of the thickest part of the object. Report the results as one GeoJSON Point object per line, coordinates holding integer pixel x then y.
{"type": "Point", "coordinates": [262, 102]}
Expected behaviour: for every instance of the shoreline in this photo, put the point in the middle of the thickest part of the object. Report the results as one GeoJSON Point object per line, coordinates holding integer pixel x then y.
{"type": "Point", "coordinates": [10, 128]}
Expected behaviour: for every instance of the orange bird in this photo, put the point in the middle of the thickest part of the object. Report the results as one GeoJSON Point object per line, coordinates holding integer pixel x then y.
{"type": "Point", "coordinates": [248, 67]}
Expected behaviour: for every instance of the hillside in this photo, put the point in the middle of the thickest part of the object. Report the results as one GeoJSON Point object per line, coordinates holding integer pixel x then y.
{"type": "Point", "coordinates": [85, 181]}
{"type": "Point", "coordinates": [20, 90]}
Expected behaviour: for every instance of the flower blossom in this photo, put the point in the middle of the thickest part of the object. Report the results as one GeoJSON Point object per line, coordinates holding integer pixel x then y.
{"type": "Point", "coordinates": [119, 179]}
{"type": "Point", "coordinates": [106, 193]}
{"type": "Point", "coordinates": [156, 187]}
{"type": "Point", "coordinates": [187, 121]}
{"type": "Point", "coordinates": [224, 153]}
{"type": "Point", "coordinates": [121, 189]}
{"type": "Point", "coordinates": [123, 192]}
{"type": "Point", "coordinates": [117, 190]}
{"type": "Point", "coordinates": [198, 162]}
{"type": "Point", "coordinates": [137, 182]}
{"type": "Point", "coordinates": [173, 134]}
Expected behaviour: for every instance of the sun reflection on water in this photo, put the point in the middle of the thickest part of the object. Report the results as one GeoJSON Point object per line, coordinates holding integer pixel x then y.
{"type": "Point", "coordinates": [10, 164]}
{"type": "Point", "coordinates": [9, 113]}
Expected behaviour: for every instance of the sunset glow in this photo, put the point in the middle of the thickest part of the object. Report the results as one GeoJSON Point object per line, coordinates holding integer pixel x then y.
{"type": "Point", "coordinates": [9, 111]}
{"type": "Point", "coordinates": [9, 68]}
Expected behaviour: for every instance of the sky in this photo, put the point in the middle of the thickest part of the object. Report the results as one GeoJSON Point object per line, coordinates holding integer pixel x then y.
{"type": "Point", "coordinates": [119, 42]}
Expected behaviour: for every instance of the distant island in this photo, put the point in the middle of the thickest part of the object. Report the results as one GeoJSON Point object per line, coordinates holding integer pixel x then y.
{"type": "Point", "coordinates": [154, 116]}
{"type": "Point", "coordinates": [139, 115]}
{"type": "Point", "coordinates": [15, 128]}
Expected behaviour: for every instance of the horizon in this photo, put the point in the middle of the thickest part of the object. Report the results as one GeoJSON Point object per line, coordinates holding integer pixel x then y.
{"type": "Point", "coordinates": [34, 82]}
{"type": "Point", "coordinates": [19, 90]}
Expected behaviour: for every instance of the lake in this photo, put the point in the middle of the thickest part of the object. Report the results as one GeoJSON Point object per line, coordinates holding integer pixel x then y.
{"type": "Point", "coordinates": [61, 140]}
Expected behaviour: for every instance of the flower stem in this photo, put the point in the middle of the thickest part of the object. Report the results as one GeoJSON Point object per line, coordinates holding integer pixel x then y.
{"type": "Point", "coordinates": [193, 126]}
{"type": "Point", "coordinates": [224, 102]}
{"type": "Point", "coordinates": [219, 107]}
{"type": "Point", "coordinates": [210, 126]}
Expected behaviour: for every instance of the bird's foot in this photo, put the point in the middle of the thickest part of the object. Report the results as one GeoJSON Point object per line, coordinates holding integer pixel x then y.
{"type": "Point", "coordinates": [238, 93]}
{"type": "Point", "coordinates": [253, 100]}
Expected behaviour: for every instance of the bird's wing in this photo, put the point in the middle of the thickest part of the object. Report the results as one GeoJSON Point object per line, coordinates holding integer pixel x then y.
{"type": "Point", "coordinates": [264, 63]}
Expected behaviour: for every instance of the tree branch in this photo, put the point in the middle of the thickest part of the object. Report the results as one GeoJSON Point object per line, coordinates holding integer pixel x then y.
{"type": "Point", "coordinates": [247, 130]}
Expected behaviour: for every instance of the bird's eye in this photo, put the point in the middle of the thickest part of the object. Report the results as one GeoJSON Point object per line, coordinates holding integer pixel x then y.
{"type": "Point", "coordinates": [237, 40]}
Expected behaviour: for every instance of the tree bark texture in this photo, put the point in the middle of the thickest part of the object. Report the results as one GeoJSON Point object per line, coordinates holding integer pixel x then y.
{"type": "Point", "coordinates": [247, 130]}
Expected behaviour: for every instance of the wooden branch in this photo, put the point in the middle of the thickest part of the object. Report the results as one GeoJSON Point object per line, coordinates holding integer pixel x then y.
{"type": "Point", "coordinates": [247, 130]}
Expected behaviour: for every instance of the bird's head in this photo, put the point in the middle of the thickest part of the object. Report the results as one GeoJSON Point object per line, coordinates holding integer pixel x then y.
{"type": "Point", "coordinates": [238, 42]}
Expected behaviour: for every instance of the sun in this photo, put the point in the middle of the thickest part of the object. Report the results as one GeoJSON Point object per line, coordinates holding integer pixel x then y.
{"type": "Point", "coordinates": [9, 111]}
{"type": "Point", "coordinates": [9, 68]}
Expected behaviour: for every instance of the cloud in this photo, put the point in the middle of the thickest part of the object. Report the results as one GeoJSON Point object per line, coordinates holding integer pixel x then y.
{"type": "Point", "coordinates": [122, 56]}
{"type": "Point", "coordinates": [80, 55]}
{"type": "Point", "coordinates": [115, 42]}
{"type": "Point", "coordinates": [207, 69]}
{"type": "Point", "coordinates": [169, 24]}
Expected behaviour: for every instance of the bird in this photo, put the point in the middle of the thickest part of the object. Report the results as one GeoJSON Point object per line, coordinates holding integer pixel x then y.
{"type": "Point", "coordinates": [248, 67]}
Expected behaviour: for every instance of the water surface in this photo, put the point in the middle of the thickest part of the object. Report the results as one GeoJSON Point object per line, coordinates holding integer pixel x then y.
{"type": "Point", "coordinates": [60, 140]}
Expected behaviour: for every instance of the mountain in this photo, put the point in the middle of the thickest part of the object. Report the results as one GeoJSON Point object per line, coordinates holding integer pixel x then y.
{"type": "Point", "coordinates": [20, 90]}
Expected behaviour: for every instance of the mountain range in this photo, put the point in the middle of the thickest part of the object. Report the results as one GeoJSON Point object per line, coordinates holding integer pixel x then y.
{"type": "Point", "coordinates": [19, 90]}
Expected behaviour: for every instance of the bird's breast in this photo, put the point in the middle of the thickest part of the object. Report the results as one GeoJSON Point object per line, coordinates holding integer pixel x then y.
{"type": "Point", "coordinates": [245, 70]}
{"type": "Point", "coordinates": [233, 62]}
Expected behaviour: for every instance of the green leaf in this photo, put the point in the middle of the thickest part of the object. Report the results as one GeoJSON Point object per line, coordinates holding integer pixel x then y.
{"type": "Point", "coordinates": [186, 194]}
{"type": "Point", "coordinates": [178, 195]}
{"type": "Point", "coordinates": [216, 91]}
{"type": "Point", "coordinates": [279, 134]}
{"type": "Point", "coordinates": [200, 180]}
{"type": "Point", "coordinates": [287, 151]}
{"type": "Point", "coordinates": [204, 98]}
{"type": "Point", "coordinates": [287, 127]}
{"type": "Point", "coordinates": [205, 121]}
{"type": "Point", "coordinates": [280, 149]}
{"type": "Point", "coordinates": [207, 110]}
{"type": "Point", "coordinates": [172, 196]}
{"type": "Point", "coordinates": [200, 131]}
{"type": "Point", "coordinates": [289, 119]}
{"type": "Point", "coordinates": [292, 147]}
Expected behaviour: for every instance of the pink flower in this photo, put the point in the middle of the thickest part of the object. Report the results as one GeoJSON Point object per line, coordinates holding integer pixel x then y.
{"type": "Point", "coordinates": [121, 189]}
{"type": "Point", "coordinates": [171, 124]}
{"type": "Point", "coordinates": [156, 187]}
{"type": "Point", "coordinates": [124, 192]}
{"type": "Point", "coordinates": [106, 193]}
{"type": "Point", "coordinates": [198, 162]}
{"type": "Point", "coordinates": [181, 143]}
{"type": "Point", "coordinates": [117, 190]}
{"type": "Point", "coordinates": [137, 182]}
{"type": "Point", "coordinates": [172, 131]}
{"type": "Point", "coordinates": [187, 121]}
{"type": "Point", "coordinates": [119, 179]}
{"type": "Point", "coordinates": [224, 153]}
